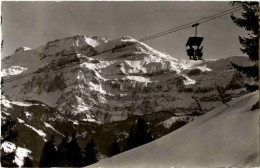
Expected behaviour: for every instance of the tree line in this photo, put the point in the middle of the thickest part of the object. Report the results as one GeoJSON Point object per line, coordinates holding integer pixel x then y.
{"type": "Point", "coordinates": [69, 154]}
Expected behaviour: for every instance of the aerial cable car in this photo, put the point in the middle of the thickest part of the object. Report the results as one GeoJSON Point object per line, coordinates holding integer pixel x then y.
{"type": "Point", "coordinates": [193, 48]}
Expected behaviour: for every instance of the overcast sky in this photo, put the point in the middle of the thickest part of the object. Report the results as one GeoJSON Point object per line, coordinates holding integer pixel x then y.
{"type": "Point", "coordinates": [32, 24]}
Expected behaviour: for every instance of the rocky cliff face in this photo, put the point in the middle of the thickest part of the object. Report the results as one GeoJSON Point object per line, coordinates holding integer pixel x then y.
{"type": "Point", "coordinates": [98, 80]}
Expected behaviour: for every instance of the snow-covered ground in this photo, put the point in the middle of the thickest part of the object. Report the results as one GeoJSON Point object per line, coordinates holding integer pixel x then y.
{"type": "Point", "coordinates": [20, 153]}
{"type": "Point", "coordinates": [51, 127]}
{"type": "Point", "coordinates": [225, 136]}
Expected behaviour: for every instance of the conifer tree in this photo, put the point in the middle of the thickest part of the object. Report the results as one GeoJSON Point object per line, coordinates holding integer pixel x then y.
{"type": "Point", "coordinates": [115, 149]}
{"type": "Point", "coordinates": [49, 154]}
{"type": "Point", "coordinates": [27, 162]}
{"type": "Point", "coordinates": [250, 44]}
{"type": "Point", "coordinates": [130, 141]}
{"type": "Point", "coordinates": [63, 152]}
{"type": "Point", "coordinates": [91, 153]}
{"type": "Point", "coordinates": [74, 152]}
{"type": "Point", "coordinates": [143, 135]}
{"type": "Point", "coordinates": [138, 135]}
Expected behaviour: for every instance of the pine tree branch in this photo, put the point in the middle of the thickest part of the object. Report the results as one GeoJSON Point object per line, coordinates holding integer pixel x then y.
{"type": "Point", "coordinates": [250, 71]}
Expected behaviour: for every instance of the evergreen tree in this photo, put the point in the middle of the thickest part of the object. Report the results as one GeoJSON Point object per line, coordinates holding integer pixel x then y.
{"type": "Point", "coordinates": [143, 135]}
{"type": "Point", "coordinates": [251, 88]}
{"type": "Point", "coordinates": [74, 152]}
{"type": "Point", "coordinates": [63, 152]}
{"type": "Point", "coordinates": [250, 44]}
{"type": "Point", "coordinates": [27, 162]}
{"type": "Point", "coordinates": [138, 135]}
{"type": "Point", "coordinates": [91, 154]}
{"type": "Point", "coordinates": [49, 154]}
{"type": "Point", "coordinates": [130, 141]}
{"type": "Point", "coordinates": [237, 81]}
{"type": "Point", "coordinates": [115, 149]}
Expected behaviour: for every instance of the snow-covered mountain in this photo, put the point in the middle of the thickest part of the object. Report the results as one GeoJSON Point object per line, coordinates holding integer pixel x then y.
{"type": "Point", "coordinates": [127, 77]}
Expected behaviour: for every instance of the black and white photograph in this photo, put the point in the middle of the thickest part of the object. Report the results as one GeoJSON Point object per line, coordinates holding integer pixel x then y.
{"type": "Point", "coordinates": [130, 84]}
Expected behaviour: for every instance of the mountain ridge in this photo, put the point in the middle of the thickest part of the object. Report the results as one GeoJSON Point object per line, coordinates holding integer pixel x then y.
{"type": "Point", "coordinates": [84, 81]}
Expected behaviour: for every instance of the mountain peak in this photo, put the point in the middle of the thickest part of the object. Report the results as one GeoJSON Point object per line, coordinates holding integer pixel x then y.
{"type": "Point", "coordinates": [22, 49]}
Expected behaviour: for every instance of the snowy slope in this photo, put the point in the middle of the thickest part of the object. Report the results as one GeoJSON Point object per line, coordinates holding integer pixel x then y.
{"type": "Point", "coordinates": [222, 137]}
{"type": "Point", "coordinates": [20, 153]}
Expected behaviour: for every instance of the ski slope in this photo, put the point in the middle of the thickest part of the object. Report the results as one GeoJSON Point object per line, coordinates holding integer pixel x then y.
{"type": "Point", "coordinates": [222, 137]}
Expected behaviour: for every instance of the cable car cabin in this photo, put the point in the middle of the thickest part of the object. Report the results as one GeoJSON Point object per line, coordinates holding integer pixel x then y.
{"type": "Point", "coordinates": [194, 50]}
